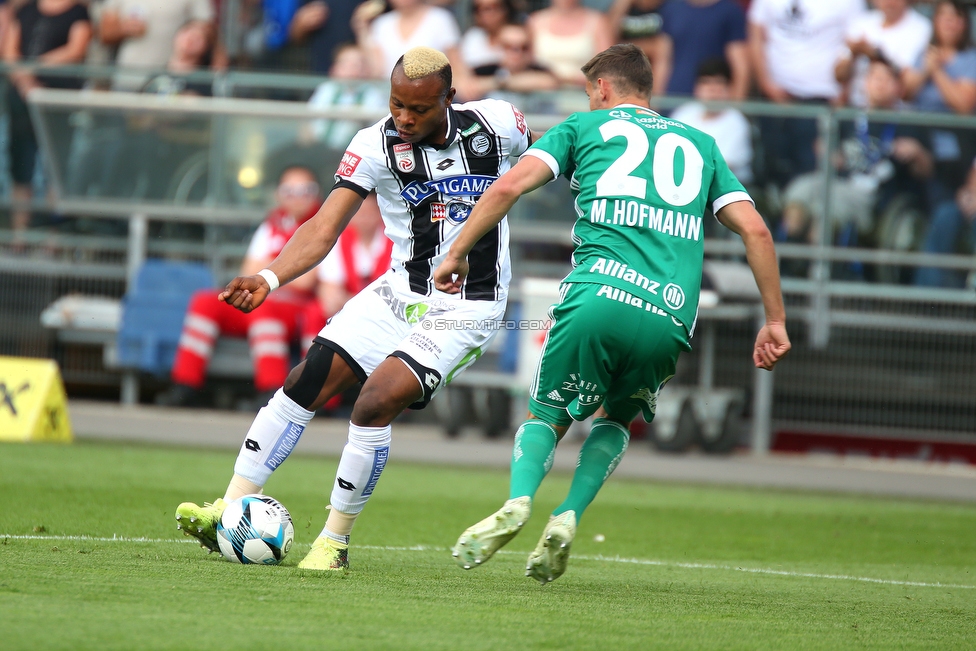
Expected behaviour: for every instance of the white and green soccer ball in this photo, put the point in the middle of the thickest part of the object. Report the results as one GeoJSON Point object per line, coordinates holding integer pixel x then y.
{"type": "Point", "coordinates": [255, 529]}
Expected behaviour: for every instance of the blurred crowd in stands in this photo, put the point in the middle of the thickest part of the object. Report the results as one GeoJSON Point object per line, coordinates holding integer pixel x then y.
{"type": "Point", "coordinates": [887, 177]}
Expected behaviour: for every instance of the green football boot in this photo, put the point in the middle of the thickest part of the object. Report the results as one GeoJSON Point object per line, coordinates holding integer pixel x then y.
{"type": "Point", "coordinates": [480, 541]}
{"type": "Point", "coordinates": [201, 521]}
{"type": "Point", "coordinates": [326, 554]}
{"type": "Point", "coordinates": [548, 560]}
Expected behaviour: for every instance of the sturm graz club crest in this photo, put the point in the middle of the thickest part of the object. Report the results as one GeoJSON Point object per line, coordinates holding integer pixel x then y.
{"type": "Point", "coordinates": [480, 145]}
{"type": "Point", "coordinates": [458, 211]}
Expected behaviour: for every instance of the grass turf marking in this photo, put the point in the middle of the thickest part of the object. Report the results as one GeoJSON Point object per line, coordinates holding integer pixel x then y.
{"type": "Point", "coordinates": [581, 557]}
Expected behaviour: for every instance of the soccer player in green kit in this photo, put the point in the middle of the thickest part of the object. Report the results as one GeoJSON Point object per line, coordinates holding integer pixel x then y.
{"type": "Point", "coordinates": [642, 184]}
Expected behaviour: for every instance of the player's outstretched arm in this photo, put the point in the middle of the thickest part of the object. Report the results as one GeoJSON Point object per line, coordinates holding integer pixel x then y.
{"type": "Point", "coordinates": [307, 247]}
{"type": "Point", "coordinates": [527, 175]}
{"type": "Point", "coordinates": [772, 342]}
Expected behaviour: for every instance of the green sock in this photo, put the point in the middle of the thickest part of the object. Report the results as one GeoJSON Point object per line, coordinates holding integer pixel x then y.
{"type": "Point", "coordinates": [535, 447]}
{"type": "Point", "coordinates": [599, 456]}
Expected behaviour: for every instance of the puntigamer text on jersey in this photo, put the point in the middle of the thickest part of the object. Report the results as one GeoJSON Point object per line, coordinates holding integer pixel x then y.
{"type": "Point", "coordinates": [462, 184]}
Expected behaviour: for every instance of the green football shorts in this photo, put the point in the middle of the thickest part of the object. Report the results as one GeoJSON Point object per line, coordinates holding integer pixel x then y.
{"type": "Point", "coordinates": [604, 347]}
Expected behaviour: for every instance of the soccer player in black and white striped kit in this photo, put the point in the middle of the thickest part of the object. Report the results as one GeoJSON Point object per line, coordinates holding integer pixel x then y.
{"type": "Point", "coordinates": [428, 162]}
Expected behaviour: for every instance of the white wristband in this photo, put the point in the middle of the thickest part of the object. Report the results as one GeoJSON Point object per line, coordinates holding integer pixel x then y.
{"type": "Point", "coordinates": [270, 276]}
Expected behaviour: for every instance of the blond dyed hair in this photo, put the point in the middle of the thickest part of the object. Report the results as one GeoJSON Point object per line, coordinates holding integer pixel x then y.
{"type": "Point", "coordinates": [421, 62]}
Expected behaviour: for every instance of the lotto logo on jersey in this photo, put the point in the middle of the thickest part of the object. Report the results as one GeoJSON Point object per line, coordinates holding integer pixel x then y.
{"type": "Point", "coordinates": [438, 212]}
{"type": "Point", "coordinates": [403, 155]}
{"type": "Point", "coordinates": [348, 164]}
{"type": "Point", "coordinates": [519, 120]}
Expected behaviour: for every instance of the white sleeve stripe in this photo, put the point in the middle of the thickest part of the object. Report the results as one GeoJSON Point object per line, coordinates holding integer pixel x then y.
{"type": "Point", "coordinates": [546, 158]}
{"type": "Point", "coordinates": [731, 197]}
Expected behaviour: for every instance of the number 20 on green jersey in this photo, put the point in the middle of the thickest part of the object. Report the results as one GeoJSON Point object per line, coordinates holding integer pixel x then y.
{"type": "Point", "coordinates": [642, 184]}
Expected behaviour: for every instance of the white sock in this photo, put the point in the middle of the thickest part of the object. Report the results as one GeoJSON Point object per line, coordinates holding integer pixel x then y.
{"type": "Point", "coordinates": [273, 435]}
{"type": "Point", "coordinates": [362, 462]}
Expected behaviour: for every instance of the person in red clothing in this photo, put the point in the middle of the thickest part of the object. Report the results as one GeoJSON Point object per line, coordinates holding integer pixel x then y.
{"type": "Point", "coordinates": [269, 332]}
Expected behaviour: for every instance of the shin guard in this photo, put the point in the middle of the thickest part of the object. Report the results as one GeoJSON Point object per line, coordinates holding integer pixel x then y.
{"type": "Point", "coordinates": [362, 462]}
{"type": "Point", "coordinates": [272, 437]}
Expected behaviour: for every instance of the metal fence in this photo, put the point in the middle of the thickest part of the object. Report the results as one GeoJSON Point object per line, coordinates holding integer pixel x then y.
{"type": "Point", "coordinates": [872, 352]}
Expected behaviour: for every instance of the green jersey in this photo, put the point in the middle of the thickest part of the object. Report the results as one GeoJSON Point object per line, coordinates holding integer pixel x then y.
{"type": "Point", "coordinates": [641, 184]}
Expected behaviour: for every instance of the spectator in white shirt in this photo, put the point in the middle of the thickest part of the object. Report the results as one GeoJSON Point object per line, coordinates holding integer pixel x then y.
{"type": "Point", "coordinates": [412, 23]}
{"type": "Point", "coordinates": [728, 126]}
{"type": "Point", "coordinates": [794, 45]}
{"type": "Point", "coordinates": [894, 30]}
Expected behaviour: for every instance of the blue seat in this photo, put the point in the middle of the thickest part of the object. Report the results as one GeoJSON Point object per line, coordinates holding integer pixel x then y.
{"type": "Point", "coordinates": [153, 311]}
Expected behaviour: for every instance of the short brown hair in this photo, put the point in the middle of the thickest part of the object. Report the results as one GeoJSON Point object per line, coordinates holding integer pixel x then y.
{"type": "Point", "coordinates": [625, 67]}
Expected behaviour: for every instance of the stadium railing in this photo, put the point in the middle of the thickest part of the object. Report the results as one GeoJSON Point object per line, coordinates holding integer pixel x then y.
{"type": "Point", "coordinates": [872, 354]}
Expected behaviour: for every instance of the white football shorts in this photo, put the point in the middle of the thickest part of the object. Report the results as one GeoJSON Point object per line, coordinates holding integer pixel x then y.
{"type": "Point", "coordinates": [437, 336]}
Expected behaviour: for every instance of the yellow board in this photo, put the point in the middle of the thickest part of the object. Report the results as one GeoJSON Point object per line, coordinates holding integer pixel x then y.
{"type": "Point", "coordinates": [33, 404]}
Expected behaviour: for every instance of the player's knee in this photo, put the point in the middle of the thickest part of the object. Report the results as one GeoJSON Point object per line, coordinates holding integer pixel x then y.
{"type": "Point", "coordinates": [293, 377]}
{"type": "Point", "coordinates": [608, 435]}
{"type": "Point", "coordinates": [304, 383]}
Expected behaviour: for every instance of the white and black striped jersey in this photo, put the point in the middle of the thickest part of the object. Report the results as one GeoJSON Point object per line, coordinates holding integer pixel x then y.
{"type": "Point", "coordinates": [426, 192]}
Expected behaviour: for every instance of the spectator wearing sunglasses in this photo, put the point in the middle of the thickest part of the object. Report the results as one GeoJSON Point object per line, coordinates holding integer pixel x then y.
{"type": "Point", "coordinates": [270, 331]}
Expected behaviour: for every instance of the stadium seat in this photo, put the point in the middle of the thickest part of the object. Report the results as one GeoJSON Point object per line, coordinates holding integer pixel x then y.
{"type": "Point", "coordinates": [153, 311]}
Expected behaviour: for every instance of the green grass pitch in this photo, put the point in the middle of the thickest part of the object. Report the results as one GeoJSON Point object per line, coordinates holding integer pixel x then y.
{"type": "Point", "coordinates": [681, 567]}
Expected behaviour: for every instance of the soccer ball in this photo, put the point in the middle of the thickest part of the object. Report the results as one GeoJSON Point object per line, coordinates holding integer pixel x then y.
{"type": "Point", "coordinates": [255, 529]}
